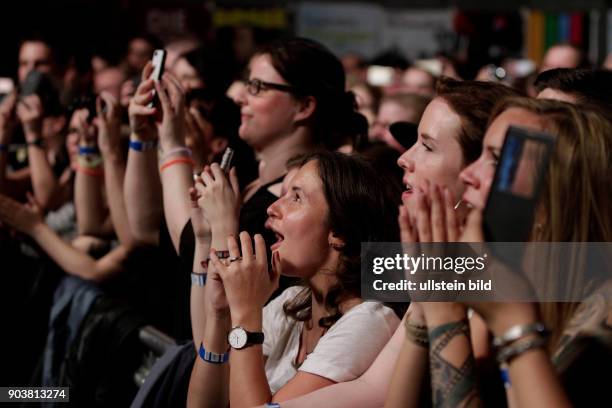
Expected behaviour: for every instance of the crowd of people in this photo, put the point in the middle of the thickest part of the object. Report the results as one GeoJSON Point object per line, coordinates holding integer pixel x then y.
{"type": "Point", "coordinates": [115, 215]}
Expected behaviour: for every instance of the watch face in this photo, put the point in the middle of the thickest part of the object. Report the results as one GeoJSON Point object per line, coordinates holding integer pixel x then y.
{"type": "Point", "coordinates": [237, 338]}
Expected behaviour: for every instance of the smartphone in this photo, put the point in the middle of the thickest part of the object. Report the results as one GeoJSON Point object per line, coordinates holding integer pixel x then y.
{"type": "Point", "coordinates": [32, 84]}
{"type": "Point", "coordinates": [379, 75]}
{"type": "Point", "coordinates": [158, 60]}
{"type": "Point", "coordinates": [524, 160]}
{"type": "Point", "coordinates": [226, 161]}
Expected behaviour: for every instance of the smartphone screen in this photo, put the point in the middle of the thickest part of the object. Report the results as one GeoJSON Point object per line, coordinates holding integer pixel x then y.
{"type": "Point", "coordinates": [6, 87]}
{"type": "Point", "coordinates": [515, 190]}
{"type": "Point", "coordinates": [158, 61]}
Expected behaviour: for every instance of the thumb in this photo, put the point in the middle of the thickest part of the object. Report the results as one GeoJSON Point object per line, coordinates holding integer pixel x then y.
{"type": "Point", "coordinates": [233, 177]}
{"type": "Point", "coordinates": [32, 203]}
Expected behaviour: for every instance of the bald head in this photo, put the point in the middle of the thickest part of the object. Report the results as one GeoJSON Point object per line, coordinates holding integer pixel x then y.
{"type": "Point", "coordinates": [562, 56]}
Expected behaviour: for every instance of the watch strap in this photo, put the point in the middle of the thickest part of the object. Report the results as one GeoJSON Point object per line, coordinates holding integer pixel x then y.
{"type": "Point", "coordinates": [254, 338]}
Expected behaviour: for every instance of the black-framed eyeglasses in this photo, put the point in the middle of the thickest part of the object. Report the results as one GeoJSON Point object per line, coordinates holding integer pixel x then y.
{"type": "Point", "coordinates": [255, 86]}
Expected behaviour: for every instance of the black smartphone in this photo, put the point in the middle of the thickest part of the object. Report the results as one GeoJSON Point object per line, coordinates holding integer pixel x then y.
{"type": "Point", "coordinates": [87, 102]}
{"type": "Point", "coordinates": [158, 60]}
{"type": "Point", "coordinates": [32, 84]}
{"type": "Point", "coordinates": [524, 159]}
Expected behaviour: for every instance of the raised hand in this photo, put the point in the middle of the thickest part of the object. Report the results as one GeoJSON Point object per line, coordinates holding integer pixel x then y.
{"type": "Point", "coordinates": [108, 121]}
{"type": "Point", "coordinates": [220, 198]}
{"type": "Point", "coordinates": [141, 116]}
{"type": "Point", "coordinates": [30, 113]}
{"type": "Point", "coordinates": [248, 283]}
{"type": "Point", "coordinates": [172, 100]}
{"type": "Point", "coordinates": [22, 217]}
{"type": "Point", "coordinates": [7, 119]}
{"type": "Point", "coordinates": [85, 130]}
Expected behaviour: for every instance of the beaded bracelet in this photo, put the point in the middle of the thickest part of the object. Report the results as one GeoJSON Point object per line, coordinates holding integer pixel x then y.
{"type": "Point", "coordinates": [417, 334]}
{"type": "Point", "coordinates": [91, 162]}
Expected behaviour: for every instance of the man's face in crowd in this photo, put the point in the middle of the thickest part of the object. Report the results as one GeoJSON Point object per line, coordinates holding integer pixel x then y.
{"type": "Point", "coordinates": [109, 80]}
{"type": "Point", "coordinates": [560, 56]}
{"type": "Point", "coordinates": [34, 55]}
{"type": "Point", "coordinates": [139, 53]}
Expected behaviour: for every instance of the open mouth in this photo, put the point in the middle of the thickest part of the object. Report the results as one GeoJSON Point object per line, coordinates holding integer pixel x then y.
{"type": "Point", "coordinates": [279, 240]}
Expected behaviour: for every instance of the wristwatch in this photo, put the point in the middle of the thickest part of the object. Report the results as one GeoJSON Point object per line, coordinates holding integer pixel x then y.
{"type": "Point", "coordinates": [239, 338]}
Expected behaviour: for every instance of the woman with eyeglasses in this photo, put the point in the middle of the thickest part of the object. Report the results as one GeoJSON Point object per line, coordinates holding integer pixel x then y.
{"type": "Point", "coordinates": [294, 101]}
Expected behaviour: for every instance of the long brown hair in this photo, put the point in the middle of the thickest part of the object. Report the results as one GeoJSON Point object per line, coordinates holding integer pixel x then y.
{"type": "Point", "coordinates": [576, 200]}
{"type": "Point", "coordinates": [361, 209]}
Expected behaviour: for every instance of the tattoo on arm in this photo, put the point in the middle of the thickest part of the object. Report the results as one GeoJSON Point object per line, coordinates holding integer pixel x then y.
{"type": "Point", "coordinates": [453, 368]}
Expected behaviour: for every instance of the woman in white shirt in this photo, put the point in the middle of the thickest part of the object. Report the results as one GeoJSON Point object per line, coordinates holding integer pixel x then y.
{"type": "Point", "coordinates": [310, 336]}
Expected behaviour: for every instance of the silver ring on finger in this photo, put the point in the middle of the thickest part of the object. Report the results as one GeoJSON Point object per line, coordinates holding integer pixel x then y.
{"type": "Point", "coordinates": [234, 258]}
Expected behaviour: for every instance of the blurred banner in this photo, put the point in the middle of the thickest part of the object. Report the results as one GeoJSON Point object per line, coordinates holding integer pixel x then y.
{"type": "Point", "coordinates": [343, 27]}
{"type": "Point", "coordinates": [368, 29]}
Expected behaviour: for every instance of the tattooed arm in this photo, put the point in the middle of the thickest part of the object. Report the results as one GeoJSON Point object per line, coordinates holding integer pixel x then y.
{"type": "Point", "coordinates": [451, 359]}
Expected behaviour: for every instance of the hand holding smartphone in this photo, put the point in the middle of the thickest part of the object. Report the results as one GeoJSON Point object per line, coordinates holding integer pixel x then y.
{"type": "Point", "coordinates": [226, 161]}
{"type": "Point", "coordinates": [158, 61]}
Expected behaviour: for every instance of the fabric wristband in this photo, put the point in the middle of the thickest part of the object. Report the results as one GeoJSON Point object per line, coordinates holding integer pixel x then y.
{"type": "Point", "coordinates": [198, 278]}
{"type": "Point", "coordinates": [91, 162]}
{"type": "Point", "coordinates": [272, 405]}
{"type": "Point", "coordinates": [83, 150]}
{"type": "Point", "coordinates": [4, 147]}
{"type": "Point", "coordinates": [213, 358]}
{"type": "Point", "coordinates": [141, 146]}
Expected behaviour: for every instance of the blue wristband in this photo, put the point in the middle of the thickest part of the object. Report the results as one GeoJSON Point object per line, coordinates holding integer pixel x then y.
{"type": "Point", "coordinates": [88, 150]}
{"type": "Point", "coordinates": [505, 377]}
{"type": "Point", "coordinates": [198, 278]}
{"type": "Point", "coordinates": [143, 146]}
{"type": "Point", "coordinates": [272, 405]}
{"type": "Point", "coordinates": [211, 357]}
{"type": "Point", "coordinates": [4, 147]}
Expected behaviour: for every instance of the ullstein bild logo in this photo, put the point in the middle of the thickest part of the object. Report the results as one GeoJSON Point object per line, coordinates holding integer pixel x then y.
{"type": "Point", "coordinates": [430, 284]}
